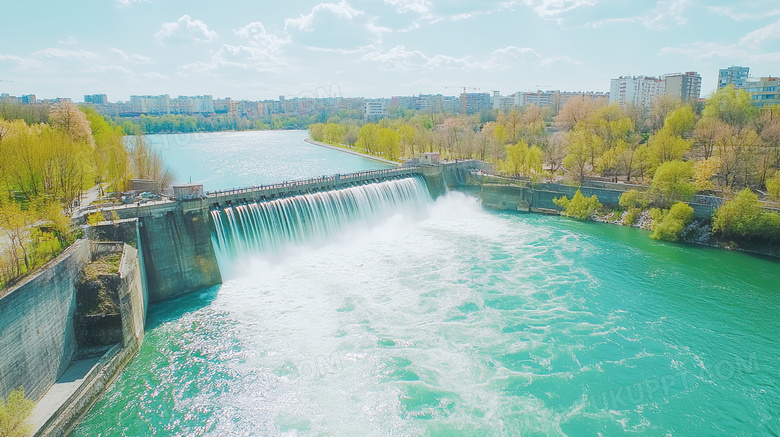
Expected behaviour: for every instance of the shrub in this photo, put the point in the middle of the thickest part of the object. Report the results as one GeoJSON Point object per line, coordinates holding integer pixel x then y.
{"type": "Point", "coordinates": [95, 218]}
{"type": "Point", "coordinates": [743, 217]}
{"type": "Point", "coordinates": [672, 222]}
{"type": "Point", "coordinates": [632, 215]}
{"type": "Point", "coordinates": [634, 199]}
{"type": "Point", "coordinates": [14, 412]}
{"type": "Point", "coordinates": [579, 206]}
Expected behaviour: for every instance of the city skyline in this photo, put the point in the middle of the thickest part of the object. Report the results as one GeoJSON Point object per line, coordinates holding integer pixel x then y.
{"type": "Point", "coordinates": [374, 49]}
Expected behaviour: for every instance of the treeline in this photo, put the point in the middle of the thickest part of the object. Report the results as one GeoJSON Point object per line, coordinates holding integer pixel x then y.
{"type": "Point", "coordinates": [677, 149]}
{"type": "Point", "coordinates": [45, 168]}
{"type": "Point", "coordinates": [177, 123]}
{"type": "Point", "coordinates": [729, 144]}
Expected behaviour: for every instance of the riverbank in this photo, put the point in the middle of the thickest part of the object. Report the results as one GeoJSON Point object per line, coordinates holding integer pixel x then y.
{"type": "Point", "coordinates": [504, 194]}
{"type": "Point", "coordinates": [351, 151]}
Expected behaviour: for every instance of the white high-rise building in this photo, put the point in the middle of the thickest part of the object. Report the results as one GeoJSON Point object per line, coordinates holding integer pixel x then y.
{"type": "Point", "coordinates": [636, 90]}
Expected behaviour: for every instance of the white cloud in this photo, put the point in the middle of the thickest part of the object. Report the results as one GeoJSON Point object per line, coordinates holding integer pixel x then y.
{"type": "Point", "coordinates": [508, 56]}
{"type": "Point", "coordinates": [64, 54]}
{"type": "Point", "coordinates": [422, 7]}
{"type": "Point", "coordinates": [665, 11]}
{"type": "Point", "coordinates": [742, 16]}
{"type": "Point", "coordinates": [244, 57]}
{"type": "Point", "coordinates": [155, 75]}
{"type": "Point", "coordinates": [548, 8]}
{"type": "Point", "coordinates": [108, 69]}
{"type": "Point", "coordinates": [123, 3]}
{"type": "Point", "coordinates": [762, 35]}
{"type": "Point", "coordinates": [257, 35]}
{"type": "Point", "coordinates": [744, 50]}
{"type": "Point", "coordinates": [70, 41]}
{"type": "Point", "coordinates": [186, 29]}
{"type": "Point", "coordinates": [658, 18]}
{"type": "Point", "coordinates": [399, 58]}
{"type": "Point", "coordinates": [304, 22]}
{"type": "Point", "coordinates": [377, 30]}
{"type": "Point", "coordinates": [126, 57]}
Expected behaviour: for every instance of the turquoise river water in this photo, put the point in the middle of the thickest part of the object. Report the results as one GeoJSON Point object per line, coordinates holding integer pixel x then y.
{"type": "Point", "coordinates": [438, 318]}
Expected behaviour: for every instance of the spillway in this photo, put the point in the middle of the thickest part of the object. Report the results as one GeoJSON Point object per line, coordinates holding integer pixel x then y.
{"type": "Point", "coordinates": [270, 226]}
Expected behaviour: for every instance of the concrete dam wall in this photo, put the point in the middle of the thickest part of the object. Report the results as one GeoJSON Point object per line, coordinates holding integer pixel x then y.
{"type": "Point", "coordinates": [36, 319]}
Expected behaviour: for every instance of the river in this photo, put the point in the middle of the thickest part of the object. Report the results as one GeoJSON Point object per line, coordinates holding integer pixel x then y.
{"type": "Point", "coordinates": [444, 319]}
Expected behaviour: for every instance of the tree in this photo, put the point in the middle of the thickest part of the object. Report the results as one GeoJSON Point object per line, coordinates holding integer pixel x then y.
{"type": "Point", "coordinates": [773, 187]}
{"type": "Point", "coordinates": [673, 222]}
{"type": "Point", "coordinates": [708, 132]}
{"type": "Point", "coordinates": [66, 115]}
{"type": "Point", "coordinates": [578, 207]}
{"type": "Point", "coordinates": [681, 121]}
{"type": "Point", "coordinates": [576, 110]}
{"type": "Point", "coordinates": [665, 146]}
{"type": "Point", "coordinates": [703, 173]}
{"type": "Point", "coordinates": [673, 182]}
{"type": "Point", "coordinates": [533, 161]}
{"type": "Point", "coordinates": [577, 161]}
{"type": "Point", "coordinates": [516, 157]}
{"type": "Point", "coordinates": [334, 133]}
{"type": "Point", "coordinates": [731, 106]}
{"type": "Point", "coordinates": [14, 414]}
{"type": "Point", "coordinates": [743, 217]}
{"type": "Point", "coordinates": [555, 151]}
{"type": "Point", "coordinates": [147, 163]}
{"type": "Point", "coordinates": [389, 143]}
{"type": "Point", "coordinates": [737, 155]}
{"type": "Point", "coordinates": [511, 122]}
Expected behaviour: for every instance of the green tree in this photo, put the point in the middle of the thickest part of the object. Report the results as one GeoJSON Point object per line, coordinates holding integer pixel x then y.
{"type": "Point", "coordinates": [681, 121]}
{"type": "Point", "coordinates": [577, 160]}
{"type": "Point", "coordinates": [773, 187]}
{"type": "Point", "coordinates": [673, 222]}
{"type": "Point", "coordinates": [516, 157]}
{"type": "Point", "coordinates": [673, 182]}
{"type": "Point", "coordinates": [665, 146]}
{"type": "Point", "coordinates": [743, 217]}
{"type": "Point", "coordinates": [14, 414]}
{"type": "Point", "coordinates": [731, 106]}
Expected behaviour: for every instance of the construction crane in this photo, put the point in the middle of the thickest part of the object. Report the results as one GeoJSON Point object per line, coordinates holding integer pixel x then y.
{"type": "Point", "coordinates": [463, 96]}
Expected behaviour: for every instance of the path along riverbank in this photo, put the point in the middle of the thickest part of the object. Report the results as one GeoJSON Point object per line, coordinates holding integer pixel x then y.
{"type": "Point", "coordinates": [353, 152]}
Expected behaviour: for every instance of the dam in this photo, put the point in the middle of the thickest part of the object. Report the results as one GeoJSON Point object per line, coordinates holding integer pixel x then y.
{"type": "Point", "coordinates": [178, 237]}
{"type": "Point", "coordinates": [433, 315]}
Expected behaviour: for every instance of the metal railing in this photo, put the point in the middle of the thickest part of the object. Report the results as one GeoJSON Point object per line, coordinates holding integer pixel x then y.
{"type": "Point", "coordinates": [337, 178]}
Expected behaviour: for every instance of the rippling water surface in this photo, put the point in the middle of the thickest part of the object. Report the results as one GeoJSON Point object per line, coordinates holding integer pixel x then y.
{"type": "Point", "coordinates": [221, 160]}
{"type": "Point", "coordinates": [453, 321]}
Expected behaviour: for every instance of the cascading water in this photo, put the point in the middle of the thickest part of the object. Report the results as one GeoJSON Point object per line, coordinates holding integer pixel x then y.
{"type": "Point", "coordinates": [268, 227]}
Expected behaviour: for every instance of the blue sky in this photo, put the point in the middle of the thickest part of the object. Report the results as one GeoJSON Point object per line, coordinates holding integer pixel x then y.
{"type": "Point", "coordinates": [264, 49]}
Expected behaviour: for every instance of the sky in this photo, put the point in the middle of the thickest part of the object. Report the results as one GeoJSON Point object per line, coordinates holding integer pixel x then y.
{"type": "Point", "coordinates": [257, 49]}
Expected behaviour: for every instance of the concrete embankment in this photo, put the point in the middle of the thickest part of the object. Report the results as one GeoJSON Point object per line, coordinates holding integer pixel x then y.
{"type": "Point", "coordinates": [38, 339]}
{"type": "Point", "coordinates": [517, 195]}
{"type": "Point", "coordinates": [132, 305]}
